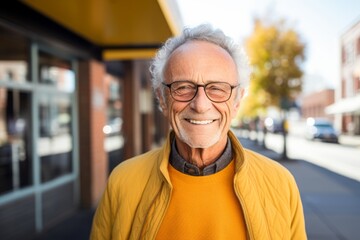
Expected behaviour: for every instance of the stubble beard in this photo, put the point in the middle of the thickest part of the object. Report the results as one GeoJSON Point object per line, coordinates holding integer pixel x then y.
{"type": "Point", "coordinates": [204, 141]}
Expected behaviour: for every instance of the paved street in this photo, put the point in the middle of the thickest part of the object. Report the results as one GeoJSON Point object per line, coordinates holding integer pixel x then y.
{"type": "Point", "coordinates": [342, 159]}
{"type": "Point", "coordinates": [331, 203]}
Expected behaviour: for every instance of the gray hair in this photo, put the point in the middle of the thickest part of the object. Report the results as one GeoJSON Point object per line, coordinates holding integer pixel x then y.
{"type": "Point", "coordinates": [204, 32]}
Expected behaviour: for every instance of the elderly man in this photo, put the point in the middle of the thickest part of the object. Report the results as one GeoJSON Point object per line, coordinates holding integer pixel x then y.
{"type": "Point", "coordinates": [202, 184]}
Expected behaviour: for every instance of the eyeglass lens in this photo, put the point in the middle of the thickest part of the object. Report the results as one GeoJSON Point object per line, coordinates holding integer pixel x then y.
{"type": "Point", "coordinates": [186, 91]}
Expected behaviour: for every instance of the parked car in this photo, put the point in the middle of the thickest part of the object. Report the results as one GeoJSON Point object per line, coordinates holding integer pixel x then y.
{"type": "Point", "coordinates": [273, 125]}
{"type": "Point", "coordinates": [321, 129]}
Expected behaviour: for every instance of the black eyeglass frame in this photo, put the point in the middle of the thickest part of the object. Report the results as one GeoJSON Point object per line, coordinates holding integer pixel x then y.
{"type": "Point", "coordinates": [197, 88]}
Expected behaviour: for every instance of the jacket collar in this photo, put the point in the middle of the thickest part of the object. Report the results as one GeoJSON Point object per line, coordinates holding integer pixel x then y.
{"type": "Point", "coordinates": [237, 148]}
{"type": "Point", "coordinates": [180, 164]}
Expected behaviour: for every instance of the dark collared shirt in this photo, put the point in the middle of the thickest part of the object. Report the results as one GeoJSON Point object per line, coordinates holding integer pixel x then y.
{"type": "Point", "coordinates": [183, 166]}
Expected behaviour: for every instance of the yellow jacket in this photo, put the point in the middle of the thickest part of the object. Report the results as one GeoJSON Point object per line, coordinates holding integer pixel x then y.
{"type": "Point", "coordinates": [139, 191]}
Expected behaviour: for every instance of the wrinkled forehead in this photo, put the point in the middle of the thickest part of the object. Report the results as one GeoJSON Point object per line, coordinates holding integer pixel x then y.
{"type": "Point", "coordinates": [196, 51]}
{"type": "Point", "coordinates": [200, 59]}
{"type": "Point", "coordinates": [200, 47]}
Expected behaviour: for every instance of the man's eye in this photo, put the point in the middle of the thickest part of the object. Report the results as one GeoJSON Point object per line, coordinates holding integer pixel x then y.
{"type": "Point", "coordinates": [184, 87]}
{"type": "Point", "coordinates": [215, 88]}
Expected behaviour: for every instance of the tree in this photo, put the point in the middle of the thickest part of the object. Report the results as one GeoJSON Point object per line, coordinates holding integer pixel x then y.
{"type": "Point", "coordinates": [276, 54]}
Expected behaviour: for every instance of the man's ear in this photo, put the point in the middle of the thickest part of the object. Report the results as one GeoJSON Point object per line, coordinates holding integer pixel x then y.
{"type": "Point", "coordinates": [162, 103]}
{"type": "Point", "coordinates": [237, 102]}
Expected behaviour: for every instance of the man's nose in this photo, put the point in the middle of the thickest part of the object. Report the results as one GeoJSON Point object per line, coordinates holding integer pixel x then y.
{"type": "Point", "coordinates": [201, 102]}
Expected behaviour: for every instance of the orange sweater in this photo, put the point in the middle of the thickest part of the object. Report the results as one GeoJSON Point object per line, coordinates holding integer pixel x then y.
{"type": "Point", "coordinates": [203, 207]}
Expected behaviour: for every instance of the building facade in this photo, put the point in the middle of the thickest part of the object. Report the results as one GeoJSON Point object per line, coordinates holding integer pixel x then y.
{"type": "Point", "coordinates": [313, 104]}
{"type": "Point", "coordinates": [75, 100]}
{"type": "Point", "coordinates": [346, 108]}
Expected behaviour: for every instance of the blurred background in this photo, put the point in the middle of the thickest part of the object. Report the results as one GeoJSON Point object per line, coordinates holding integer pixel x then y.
{"type": "Point", "coordinates": [76, 99]}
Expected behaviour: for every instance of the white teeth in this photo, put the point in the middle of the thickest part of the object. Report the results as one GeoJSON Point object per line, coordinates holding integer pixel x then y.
{"type": "Point", "coordinates": [200, 122]}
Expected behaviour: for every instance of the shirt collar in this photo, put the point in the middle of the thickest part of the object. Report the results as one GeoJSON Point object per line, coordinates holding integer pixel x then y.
{"type": "Point", "coordinates": [183, 166]}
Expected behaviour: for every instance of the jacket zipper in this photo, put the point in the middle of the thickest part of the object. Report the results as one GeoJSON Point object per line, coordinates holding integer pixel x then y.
{"type": "Point", "coordinates": [161, 217]}
{"type": "Point", "coordinates": [248, 226]}
{"type": "Point", "coordinates": [166, 206]}
{"type": "Point", "coordinates": [147, 213]}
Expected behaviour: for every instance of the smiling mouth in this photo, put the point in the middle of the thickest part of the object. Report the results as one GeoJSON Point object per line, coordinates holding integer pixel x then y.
{"type": "Point", "coordinates": [200, 122]}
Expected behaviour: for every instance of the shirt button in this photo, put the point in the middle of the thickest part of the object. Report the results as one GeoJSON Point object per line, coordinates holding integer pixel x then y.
{"type": "Point", "coordinates": [191, 171]}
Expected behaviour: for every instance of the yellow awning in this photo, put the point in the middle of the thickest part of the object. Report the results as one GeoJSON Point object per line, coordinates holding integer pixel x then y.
{"type": "Point", "coordinates": [124, 29]}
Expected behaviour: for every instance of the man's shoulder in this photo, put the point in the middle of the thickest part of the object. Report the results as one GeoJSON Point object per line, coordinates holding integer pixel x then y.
{"type": "Point", "coordinates": [138, 167]}
{"type": "Point", "coordinates": [128, 181]}
{"type": "Point", "coordinates": [265, 166]}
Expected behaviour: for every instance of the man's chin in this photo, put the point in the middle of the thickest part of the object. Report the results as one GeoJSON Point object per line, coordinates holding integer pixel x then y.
{"type": "Point", "coordinates": [199, 146]}
{"type": "Point", "coordinates": [200, 141]}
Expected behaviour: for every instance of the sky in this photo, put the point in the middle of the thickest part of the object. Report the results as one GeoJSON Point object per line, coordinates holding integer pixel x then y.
{"type": "Point", "coordinates": [320, 24]}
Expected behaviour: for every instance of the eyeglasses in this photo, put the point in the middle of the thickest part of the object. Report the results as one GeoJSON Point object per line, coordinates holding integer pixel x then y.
{"type": "Point", "coordinates": [185, 91]}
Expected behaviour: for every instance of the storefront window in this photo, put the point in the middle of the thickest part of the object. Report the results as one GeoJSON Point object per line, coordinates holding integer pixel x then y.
{"type": "Point", "coordinates": [14, 57]}
{"type": "Point", "coordinates": [15, 135]}
{"type": "Point", "coordinates": [38, 162]}
{"type": "Point", "coordinates": [14, 71]}
{"type": "Point", "coordinates": [56, 72]}
{"type": "Point", "coordinates": [114, 140]}
{"type": "Point", "coordinates": [55, 144]}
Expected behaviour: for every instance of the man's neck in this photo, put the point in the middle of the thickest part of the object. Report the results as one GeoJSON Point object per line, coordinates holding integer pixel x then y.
{"type": "Point", "coordinates": [201, 157]}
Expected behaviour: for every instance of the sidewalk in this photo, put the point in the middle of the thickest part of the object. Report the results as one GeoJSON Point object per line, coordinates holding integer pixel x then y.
{"type": "Point", "coordinates": [76, 227]}
{"type": "Point", "coordinates": [331, 203]}
{"type": "Point", "coordinates": [350, 140]}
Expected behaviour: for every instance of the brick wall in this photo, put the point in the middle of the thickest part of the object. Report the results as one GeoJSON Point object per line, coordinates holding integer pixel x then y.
{"type": "Point", "coordinates": [92, 118]}
{"type": "Point", "coordinates": [313, 105]}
